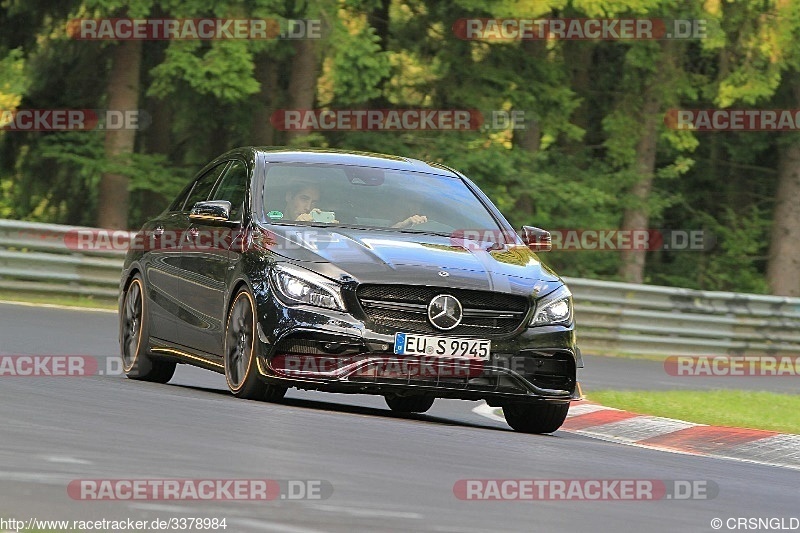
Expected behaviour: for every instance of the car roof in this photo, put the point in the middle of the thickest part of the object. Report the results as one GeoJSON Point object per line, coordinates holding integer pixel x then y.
{"type": "Point", "coordinates": [342, 157]}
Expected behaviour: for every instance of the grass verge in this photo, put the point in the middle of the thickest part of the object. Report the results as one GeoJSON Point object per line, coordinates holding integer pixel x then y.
{"type": "Point", "coordinates": [747, 409]}
{"type": "Point", "coordinates": [72, 301]}
{"type": "Point", "coordinates": [620, 355]}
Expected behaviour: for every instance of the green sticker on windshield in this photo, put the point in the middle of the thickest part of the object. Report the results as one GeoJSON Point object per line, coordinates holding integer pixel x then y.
{"type": "Point", "coordinates": [275, 214]}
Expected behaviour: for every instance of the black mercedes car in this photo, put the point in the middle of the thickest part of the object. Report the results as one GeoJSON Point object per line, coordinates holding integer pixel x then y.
{"type": "Point", "coordinates": [350, 272]}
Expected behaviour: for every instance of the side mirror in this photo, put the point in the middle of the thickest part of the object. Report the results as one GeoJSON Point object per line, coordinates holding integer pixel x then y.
{"type": "Point", "coordinates": [214, 211]}
{"type": "Point", "coordinates": [537, 239]}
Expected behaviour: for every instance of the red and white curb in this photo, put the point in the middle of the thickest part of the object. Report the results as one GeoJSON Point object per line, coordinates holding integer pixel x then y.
{"type": "Point", "coordinates": [666, 434]}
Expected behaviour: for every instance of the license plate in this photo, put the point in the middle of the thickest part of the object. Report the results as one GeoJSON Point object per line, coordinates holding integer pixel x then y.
{"type": "Point", "coordinates": [431, 345]}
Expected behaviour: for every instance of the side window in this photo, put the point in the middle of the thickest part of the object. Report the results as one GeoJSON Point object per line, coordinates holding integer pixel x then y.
{"type": "Point", "coordinates": [177, 203]}
{"type": "Point", "coordinates": [233, 188]}
{"type": "Point", "coordinates": [202, 187]}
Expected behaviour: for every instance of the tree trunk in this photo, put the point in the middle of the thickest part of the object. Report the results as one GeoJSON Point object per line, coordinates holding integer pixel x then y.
{"type": "Point", "coordinates": [123, 94]}
{"type": "Point", "coordinates": [783, 268]}
{"type": "Point", "coordinates": [579, 59]}
{"type": "Point", "coordinates": [378, 18]}
{"type": "Point", "coordinates": [157, 139]}
{"type": "Point", "coordinates": [303, 80]}
{"type": "Point", "coordinates": [263, 133]}
{"type": "Point", "coordinates": [530, 139]}
{"type": "Point", "coordinates": [636, 218]}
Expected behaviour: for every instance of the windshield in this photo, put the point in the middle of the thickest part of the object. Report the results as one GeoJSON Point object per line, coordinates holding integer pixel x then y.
{"type": "Point", "coordinates": [307, 194]}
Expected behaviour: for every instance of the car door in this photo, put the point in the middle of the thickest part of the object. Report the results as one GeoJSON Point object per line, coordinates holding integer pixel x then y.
{"type": "Point", "coordinates": [183, 310]}
{"type": "Point", "coordinates": [160, 242]}
{"type": "Point", "coordinates": [161, 270]}
{"type": "Point", "coordinates": [205, 261]}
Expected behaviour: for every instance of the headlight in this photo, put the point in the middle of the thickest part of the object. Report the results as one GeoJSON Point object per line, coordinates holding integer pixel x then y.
{"type": "Point", "coordinates": [303, 286]}
{"type": "Point", "coordinates": [555, 308]}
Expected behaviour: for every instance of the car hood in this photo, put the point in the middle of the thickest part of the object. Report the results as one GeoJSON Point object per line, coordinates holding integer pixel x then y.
{"type": "Point", "coordinates": [374, 256]}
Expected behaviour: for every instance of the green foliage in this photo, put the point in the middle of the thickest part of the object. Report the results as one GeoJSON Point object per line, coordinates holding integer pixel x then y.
{"type": "Point", "coordinates": [14, 83]}
{"type": "Point", "coordinates": [586, 99]}
{"type": "Point", "coordinates": [68, 167]}
{"type": "Point", "coordinates": [131, 8]}
{"type": "Point", "coordinates": [742, 239]}
{"type": "Point", "coordinates": [358, 67]}
{"type": "Point", "coordinates": [224, 70]}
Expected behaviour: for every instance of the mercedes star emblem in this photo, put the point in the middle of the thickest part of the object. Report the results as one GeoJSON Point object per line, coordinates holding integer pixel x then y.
{"type": "Point", "coordinates": [445, 312]}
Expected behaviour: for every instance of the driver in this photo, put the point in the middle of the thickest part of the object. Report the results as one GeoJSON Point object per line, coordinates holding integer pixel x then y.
{"type": "Point", "coordinates": [414, 206]}
{"type": "Point", "coordinates": [411, 221]}
{"type": "Point", "coordinates": [301, 201]}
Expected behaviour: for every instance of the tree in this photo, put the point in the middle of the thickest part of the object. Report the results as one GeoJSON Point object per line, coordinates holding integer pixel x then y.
{"type": "Point", "coordinates": [123, 94]}
{"type": "Point", "coordinates": [595, 154]}
{"type": "Point", "coordinates": [766, 70]}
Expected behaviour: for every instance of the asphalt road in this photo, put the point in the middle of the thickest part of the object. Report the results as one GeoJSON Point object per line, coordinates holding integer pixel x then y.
{"type": "Point", "coordinates": [620, 373]}
{"type": "Point", "coordinates": [388, 472]}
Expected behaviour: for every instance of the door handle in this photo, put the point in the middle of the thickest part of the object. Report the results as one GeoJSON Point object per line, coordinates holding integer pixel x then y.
{"type": "Point", "coordinates": [158, 231]}
{"type": "Point", "coordinates": [192, 233]}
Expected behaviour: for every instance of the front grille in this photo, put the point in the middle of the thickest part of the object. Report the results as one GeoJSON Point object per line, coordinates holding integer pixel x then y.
{"type": "Point", "coordinates": [405, 308]}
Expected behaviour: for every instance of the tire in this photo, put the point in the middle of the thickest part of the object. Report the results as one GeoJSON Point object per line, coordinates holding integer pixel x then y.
{"type": "Point", "coordinates": [240, 352]}
{"type": "Point", "coordinates": [536, 417]}
{"type": "Point", "coordinates": [409, 404]}
{"type": "Point", "coordinates": [134, 324]}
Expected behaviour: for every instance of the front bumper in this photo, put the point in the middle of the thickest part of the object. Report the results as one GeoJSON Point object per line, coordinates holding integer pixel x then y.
{"type": "Point", "coordinates": [313, 348]}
